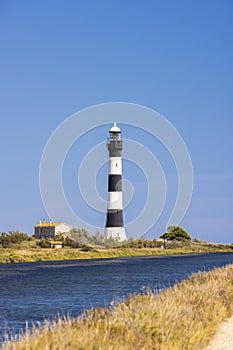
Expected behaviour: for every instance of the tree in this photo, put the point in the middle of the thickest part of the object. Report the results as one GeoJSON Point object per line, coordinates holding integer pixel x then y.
{"type": "Point", "coordinates": [177, 233]}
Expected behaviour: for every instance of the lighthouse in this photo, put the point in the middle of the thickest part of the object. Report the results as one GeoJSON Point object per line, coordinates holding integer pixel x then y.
{"type": "Point", "coordinates": [114, 221]}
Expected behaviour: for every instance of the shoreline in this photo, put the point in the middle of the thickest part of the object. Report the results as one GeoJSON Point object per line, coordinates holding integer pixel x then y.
{"type": "Point", "coordinates": [9, 255]}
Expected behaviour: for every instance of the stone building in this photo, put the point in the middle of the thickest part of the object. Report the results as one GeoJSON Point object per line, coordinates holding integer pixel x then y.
{"type": "Point", "coordinates": [50, 229]}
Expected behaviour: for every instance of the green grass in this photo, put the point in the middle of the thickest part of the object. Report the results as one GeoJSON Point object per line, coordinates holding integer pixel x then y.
{"type": "Point", "coordinates": [182, 317]}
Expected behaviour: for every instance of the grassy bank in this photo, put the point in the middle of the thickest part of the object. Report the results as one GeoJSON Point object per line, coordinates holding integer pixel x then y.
{"type": "Point", "coordinates": [183, 317]}
{"type": "Point", "coordinates": [32, 253]}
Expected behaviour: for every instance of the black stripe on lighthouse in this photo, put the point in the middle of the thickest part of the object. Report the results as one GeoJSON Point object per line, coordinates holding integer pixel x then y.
{"type": "Point", "coordinates": [114, 218]}
{"type": "Point", "coordinates": [114, 183]}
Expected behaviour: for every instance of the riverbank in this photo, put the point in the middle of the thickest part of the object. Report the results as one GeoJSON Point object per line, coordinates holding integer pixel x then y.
{"type": "Point", "coordinates": [185, 316]}
{"type": "Point", "coordinates": [14, 255]}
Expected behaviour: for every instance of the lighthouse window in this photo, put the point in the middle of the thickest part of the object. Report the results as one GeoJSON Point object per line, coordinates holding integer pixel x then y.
{"type": "Point", "coordinates": [116, 165]}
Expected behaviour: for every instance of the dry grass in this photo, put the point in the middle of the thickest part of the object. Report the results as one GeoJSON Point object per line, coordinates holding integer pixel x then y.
{"type": "Point", "coordinates": [31, 253]}
{"type": "Point", "coordinates": [10, 255]}
{"type": "Point", "coordinates": [182, 317]}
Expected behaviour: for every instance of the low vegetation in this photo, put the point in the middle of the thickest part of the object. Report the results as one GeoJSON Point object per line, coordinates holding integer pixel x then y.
{"type": "Point", "coordinates": [182, 317]}
{"type": "Point", "coordinates": [16, 246]}
{"type": "Point", "coordinates": [11, 239]}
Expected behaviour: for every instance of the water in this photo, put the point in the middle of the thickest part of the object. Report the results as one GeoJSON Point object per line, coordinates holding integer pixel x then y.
{"type": "Point", "coordinates": [34, 292]}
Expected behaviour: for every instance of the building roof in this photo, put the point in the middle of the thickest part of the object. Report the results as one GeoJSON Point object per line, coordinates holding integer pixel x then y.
{"type": "Point", "coordinates": [51, 223]}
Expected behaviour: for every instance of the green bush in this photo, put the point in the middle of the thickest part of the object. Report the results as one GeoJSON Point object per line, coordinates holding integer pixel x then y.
{"type": "Point", "coordinates": [88, 249]}
{"type": "Point", "coordinates": [13, 237]}
{"type": "Point", "coordinates": [44, 243]}
{"type": "Point", "coordinates": [143, 243]}
{"type": "Point", "coordinates": [4, 240]}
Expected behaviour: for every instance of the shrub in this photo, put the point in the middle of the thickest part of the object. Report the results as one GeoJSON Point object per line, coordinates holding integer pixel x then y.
{"type": "Point", "coordinates": [4, 240]}
{"type": "Point", "coordinates": [88, 249]}
{"type": "Point", "coordinates": [44, 243]}
{"type": "Point", "coordinates": [13, 237]}
{"type": "Point", "coordinates": [81, 238]}
{"type": "Point", "coordinates": [196, 240]}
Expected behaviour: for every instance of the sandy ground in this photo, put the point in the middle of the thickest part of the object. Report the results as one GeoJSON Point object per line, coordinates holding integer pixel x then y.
{"type": "Point", "coordinates": [223, 339]}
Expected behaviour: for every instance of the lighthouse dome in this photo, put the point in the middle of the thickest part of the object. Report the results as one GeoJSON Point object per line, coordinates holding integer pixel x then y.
{"type": "Point", "coordinates": [115, 128]}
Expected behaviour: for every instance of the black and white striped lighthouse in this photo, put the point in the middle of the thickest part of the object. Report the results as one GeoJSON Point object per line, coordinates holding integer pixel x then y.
{"type": "Point", "coordinates": [114, 221]}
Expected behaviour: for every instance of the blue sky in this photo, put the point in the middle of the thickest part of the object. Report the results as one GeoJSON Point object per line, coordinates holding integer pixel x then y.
{"type": "Point", "coordinates": [176, 57]}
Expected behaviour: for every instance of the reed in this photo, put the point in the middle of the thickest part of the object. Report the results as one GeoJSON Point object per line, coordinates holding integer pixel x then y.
{"type": "Point", "coordinates": [184, 316]}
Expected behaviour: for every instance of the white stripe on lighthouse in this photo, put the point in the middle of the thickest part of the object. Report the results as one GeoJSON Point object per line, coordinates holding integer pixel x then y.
{"type": "Point", "coordinates": [115, 165]}
{"type": "Point", "coordinates": [115, 200]}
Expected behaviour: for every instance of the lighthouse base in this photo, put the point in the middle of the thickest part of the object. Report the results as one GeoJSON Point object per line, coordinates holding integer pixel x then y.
{"type": "Point", "coordinates": [116, 232]}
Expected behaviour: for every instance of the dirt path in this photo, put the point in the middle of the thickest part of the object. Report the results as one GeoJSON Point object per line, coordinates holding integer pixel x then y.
{"type": "Point", "coordinates": [223, 340]}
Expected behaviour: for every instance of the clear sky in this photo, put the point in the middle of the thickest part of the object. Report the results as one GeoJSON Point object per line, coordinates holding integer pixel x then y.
{"type": "Point", "coordinates": [176, 57]}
